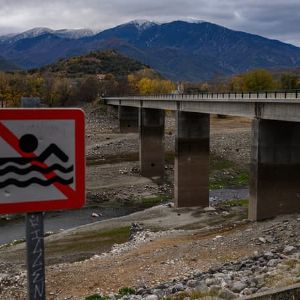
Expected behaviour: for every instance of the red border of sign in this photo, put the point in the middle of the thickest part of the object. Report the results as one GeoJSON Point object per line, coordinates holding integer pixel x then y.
{"type": "Point", "coordinates": [76, 198]}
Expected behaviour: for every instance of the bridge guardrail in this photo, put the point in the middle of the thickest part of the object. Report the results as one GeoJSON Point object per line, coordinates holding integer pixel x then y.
{"type": "Point", "coordinates": [272, 95]}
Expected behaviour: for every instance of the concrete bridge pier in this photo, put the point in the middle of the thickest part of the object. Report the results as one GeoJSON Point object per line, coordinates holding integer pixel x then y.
{"type": "Point", "coordinates": [275, 169]}
{"type": "Point", "coordinates": [128, 119]}
{"type": "Point", "coordinates": [192, 159]}
{"type": "Point", "coordinates": [152, 148]}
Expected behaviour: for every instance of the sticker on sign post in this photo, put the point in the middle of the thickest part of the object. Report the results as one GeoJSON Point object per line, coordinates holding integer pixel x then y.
{"type": "Point", "coordinates": [42, 160]}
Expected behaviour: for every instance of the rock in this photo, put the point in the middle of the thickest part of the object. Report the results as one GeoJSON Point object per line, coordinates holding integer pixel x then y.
{"type": "Point", "coordinates": [192, 283]}
{"type": "Point", "coordinates": [238, 286]}
{"type": "Point", "coordinates": [253, 290]}
{"type": "Point", "coordinates": [134, 229]}
{"type": "Point", "coordinates": [151, 297]}
{"type": "Point", "coordinates": [258, 281]}
{"type": "Point", "coordinates": [140, 291]}
{"type": "Point", "coordinates": [159, 293]}
{"type": "Point", "coordinates": [227, 294]}
{"type": "Point", "coordinates": [3, 276]}
{"type": "Point", "coordinates": [135, 297]}
{"type": "Point", "coordinates": [273, 263]}
{"type": "Point", "coordinates": [263, 289]}
{"type": "Point", "coordinates": [270, 239]}
{"type": "Point", "coordinates": [261, 239]}
{"type": "Point", "coordinates": [201, 287]}
{"type": "Point", "coordinates": [221, 275]}
{"type": "Point", "coordinates": [209, 208]}
{"type": "Point", "coordinates": [246, 292]}
{"type": "Point", "coordinates": [214, 289]}
{"type": "Point", "coordinates": [289, 249]}
{"type": "Point", "coordinates": [269, 254]}
{"type": "Point", "coordinates": [177, 288]}
{"type": "Point", "coordinates": [112, 296]}
{"type": "Point", "coordinates": [95, 215]}
{"type": "Point", "coordinates": [211, 281]}
{"type": "Point", "coordinates": [225, 213]}
{"type": "Point", "coordinates": [162, 286]}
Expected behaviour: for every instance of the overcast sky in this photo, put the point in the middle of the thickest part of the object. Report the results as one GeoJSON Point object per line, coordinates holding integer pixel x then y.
{"type": "Point", "coordinates": [279, 19]}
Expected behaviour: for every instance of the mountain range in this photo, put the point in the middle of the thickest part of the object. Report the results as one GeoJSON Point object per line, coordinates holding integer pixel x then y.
{"type": "Point", "coordinates": [178, 50]}
{"type": "Point", "coordinates": [35, 32]}
{"type": "Point", "coordinates": [6, 65]}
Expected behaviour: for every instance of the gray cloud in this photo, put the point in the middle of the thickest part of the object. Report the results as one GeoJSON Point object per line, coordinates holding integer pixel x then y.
{"type": "Point", "coordinates": [270, 18]}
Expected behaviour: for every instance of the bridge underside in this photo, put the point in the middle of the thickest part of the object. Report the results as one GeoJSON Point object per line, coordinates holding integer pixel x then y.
{"type": "Point", "coordinates": [275, 159]}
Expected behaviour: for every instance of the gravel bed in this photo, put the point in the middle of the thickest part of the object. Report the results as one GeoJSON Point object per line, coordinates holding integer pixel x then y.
{"type": "Point", "coordinates": [277, 267]}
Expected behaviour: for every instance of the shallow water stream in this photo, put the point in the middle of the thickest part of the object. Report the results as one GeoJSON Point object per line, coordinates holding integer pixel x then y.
{"type": "Point", "coordinates": [55, 221]}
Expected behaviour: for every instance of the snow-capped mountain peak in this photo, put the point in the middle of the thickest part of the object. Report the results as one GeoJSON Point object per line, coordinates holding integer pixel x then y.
{"type": "Point", "coordinates": [142, 24]}
{"type": "Point", "coordinates": [74, 33]}
{"type": "Point", "coordinates": [35, 32]}
{"type": "Point", "coordinates": [192, 20]}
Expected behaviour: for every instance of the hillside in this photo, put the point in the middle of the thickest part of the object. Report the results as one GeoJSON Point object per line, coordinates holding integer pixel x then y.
{"type": "Point", "coordinates": [6, 65]}
{"type": "Point", "coordinates": [178, 50]}
{"type": "Point", "coordinates": [97, 62]}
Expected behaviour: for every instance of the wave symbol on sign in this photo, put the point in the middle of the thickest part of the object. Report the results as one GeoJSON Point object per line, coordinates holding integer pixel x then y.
{"type": "Point", "coordinates": [28, 143]}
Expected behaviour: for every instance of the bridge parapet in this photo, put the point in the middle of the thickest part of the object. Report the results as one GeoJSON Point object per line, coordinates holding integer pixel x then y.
{"type": "Point", "coordinates": [277, 105]}
{"type": "Point", "coordinates": [269, 95]}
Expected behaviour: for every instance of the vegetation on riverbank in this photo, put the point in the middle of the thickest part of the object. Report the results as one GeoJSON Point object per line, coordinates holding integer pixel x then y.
{"type": "Point", "coordinates": [226, 174]}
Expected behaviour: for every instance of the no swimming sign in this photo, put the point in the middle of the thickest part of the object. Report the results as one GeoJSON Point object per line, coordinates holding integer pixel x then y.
{"type": "Point", "coordinates": [42, 160]}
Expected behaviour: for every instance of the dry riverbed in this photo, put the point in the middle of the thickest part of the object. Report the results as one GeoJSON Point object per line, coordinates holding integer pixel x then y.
{"type": "Point", "coordinates": [167, 251]}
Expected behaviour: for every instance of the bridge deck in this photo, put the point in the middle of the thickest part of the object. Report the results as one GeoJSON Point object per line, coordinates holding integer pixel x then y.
{"type": "Point", "coordinates": [267, 105]}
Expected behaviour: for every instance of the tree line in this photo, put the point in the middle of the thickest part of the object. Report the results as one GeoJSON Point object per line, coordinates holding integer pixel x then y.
{"type": "Point", "coordinates": [63, 91]}
{"type": "Point", "coordinates": [256, 80]}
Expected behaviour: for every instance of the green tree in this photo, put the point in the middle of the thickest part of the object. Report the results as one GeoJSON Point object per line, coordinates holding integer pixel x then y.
{"type": "Point", "coordinates": [289, 81]}
{"type": "Point", "coordinates": [258, 80]}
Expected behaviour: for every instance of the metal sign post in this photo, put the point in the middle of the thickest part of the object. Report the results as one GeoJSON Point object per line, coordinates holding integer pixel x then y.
{"type": "Point", "coordinates": [35, 256]}
{"type": "Point", "coordinates": [35, 248]}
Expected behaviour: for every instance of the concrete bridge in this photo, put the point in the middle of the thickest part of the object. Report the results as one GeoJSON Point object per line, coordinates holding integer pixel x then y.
{"type": "Point", "coordinates": [275, 150]}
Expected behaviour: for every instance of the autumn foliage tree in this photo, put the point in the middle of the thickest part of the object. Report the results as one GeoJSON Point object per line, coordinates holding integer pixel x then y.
{"type": "Point", "coordinates": [289, 81]}
{"type": "Point", "coordinates": [256, 80]}
{"type": "Point", "coordinates": [4, 88]}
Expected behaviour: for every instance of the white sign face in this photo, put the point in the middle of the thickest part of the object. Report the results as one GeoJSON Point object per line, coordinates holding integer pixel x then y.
{"type": "Point", "coordinates": [42, 160]}
{"type": "Point", "coordinates": [20, 179]}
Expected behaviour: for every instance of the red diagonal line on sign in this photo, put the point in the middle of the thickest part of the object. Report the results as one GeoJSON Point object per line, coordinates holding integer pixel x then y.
{"type": "Point", "coordinates": [13, 141]}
